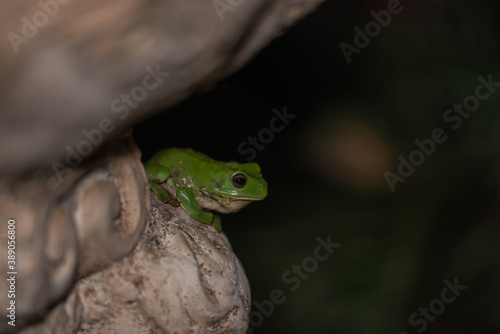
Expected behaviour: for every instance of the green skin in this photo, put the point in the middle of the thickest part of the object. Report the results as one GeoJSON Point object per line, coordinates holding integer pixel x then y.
{"type": "Point", "coordinates": [198, 183]}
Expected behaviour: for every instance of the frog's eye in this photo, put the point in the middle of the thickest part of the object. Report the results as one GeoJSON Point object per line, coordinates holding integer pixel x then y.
{"type": "Point", "coordinates": [239, 180]}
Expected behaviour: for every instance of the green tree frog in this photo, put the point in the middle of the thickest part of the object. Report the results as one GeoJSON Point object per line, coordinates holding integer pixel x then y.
{"type": "Point", "coordinates": [198, 183]}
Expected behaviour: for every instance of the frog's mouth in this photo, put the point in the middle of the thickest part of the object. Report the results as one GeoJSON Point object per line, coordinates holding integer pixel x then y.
{"type": "Point", "coordinates": [231, 206]}
{"type": "Point", "coordinates": [247, 198]}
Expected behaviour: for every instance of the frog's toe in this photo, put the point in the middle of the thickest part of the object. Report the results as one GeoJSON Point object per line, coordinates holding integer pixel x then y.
{"type": "Point", "coordinates": [162, 194]}
{"type": "Point", "coordinates": [216, 223]}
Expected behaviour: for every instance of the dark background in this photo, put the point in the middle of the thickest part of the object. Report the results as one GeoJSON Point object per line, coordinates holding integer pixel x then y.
{"type": "Point", "coordinates": [326, 168]}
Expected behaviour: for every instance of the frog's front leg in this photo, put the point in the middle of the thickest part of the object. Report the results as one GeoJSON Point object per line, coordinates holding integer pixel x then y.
{"type": "Point", "coordinates": [216, 222]}
{"type": "Point", "coordinates": [159, 174]}
{"type": "Point", "coordinates": [187, 197]}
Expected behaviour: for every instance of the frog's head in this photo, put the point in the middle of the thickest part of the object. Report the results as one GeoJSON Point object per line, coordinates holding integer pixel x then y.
{"type": "Point", "coordinates": [243, 182]}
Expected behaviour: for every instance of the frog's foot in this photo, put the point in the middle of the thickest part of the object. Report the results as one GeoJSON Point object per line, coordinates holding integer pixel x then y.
{"type": "Point", "coordinates": [162, 194]}
{"type": "Point", "coordinates": [157, 173]}
{"type": "Point", "coordinates": [189, 203]}
{"type": "Point", "coordinates": [216, 222]}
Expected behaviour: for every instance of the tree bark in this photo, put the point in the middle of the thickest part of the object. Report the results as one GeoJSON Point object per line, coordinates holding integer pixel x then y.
{"type": "Point", "coordinates": [77, 73]}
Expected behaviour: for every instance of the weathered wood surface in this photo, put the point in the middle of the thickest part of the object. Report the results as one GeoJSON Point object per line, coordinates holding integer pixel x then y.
{"type": "Point", "coordinates": [182, 277]}
{"type": "Point", "coordinates": [66, 230]}
{"type": "Point", "coordinates": [74, 70]}
{"type": "Point", "coordinates": [75, 75]}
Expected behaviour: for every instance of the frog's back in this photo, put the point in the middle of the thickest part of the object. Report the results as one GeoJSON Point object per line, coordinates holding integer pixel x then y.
{"type": "Point", "coordinates": [177, 157]}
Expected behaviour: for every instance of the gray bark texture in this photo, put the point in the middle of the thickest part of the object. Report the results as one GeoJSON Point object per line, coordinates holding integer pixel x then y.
{"type": "Point", "coordinates": [93, 253]}
{"type": "Point", "coordinates": [182, 277]}
{"type": "Point", "coordinates": [68, 65]}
